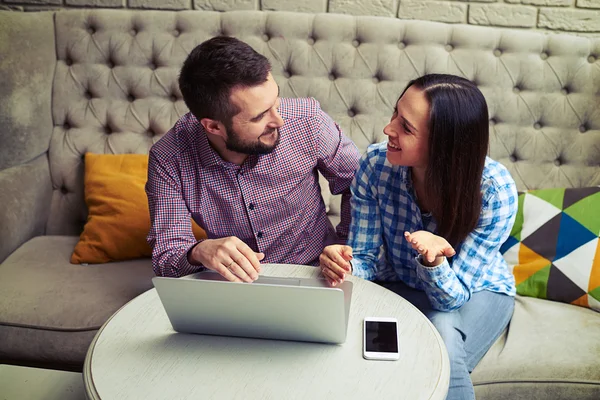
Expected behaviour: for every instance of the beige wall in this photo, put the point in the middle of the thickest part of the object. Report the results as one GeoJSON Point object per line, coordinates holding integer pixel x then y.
{"type": "Point", "coordinates": [573, 16]}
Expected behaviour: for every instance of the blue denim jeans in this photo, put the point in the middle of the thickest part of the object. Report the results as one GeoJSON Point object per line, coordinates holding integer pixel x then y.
{"type": "Point", "coordinates": [468, 332]}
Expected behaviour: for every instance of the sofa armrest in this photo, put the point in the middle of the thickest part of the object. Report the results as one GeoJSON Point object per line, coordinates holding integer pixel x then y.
{"type": "Point", "coordinates": [25, 191]}
{"type": "Point", "coordinates": [27, 67]}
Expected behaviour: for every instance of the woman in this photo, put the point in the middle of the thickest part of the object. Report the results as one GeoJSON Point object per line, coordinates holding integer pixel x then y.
{"type": "Point", "coordinates": [429, 214]}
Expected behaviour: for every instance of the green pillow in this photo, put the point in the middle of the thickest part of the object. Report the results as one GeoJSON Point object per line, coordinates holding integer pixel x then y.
{"type": "Point", "coordinates": [554, 249]}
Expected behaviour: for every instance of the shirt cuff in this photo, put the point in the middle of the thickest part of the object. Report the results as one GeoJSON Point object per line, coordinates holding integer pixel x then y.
{"type": "Point", "coordinates": [359, 270]}
{"type": "Point", "coordinates": [432, 274]}
{"type": "Point", "coordinates": [185, 267]}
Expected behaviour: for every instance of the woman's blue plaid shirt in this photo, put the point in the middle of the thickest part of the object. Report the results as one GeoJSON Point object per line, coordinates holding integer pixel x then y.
{"type": "Point", "coordinates": [384, 207]}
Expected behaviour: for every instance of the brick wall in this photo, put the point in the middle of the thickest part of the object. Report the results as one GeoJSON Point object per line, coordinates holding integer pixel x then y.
{"type": "Point", "coordinates": [573, 16]}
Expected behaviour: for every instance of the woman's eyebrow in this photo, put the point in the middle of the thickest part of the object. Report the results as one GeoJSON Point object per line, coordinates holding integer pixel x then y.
{"type": "Point", "coordinates": [409, 124]}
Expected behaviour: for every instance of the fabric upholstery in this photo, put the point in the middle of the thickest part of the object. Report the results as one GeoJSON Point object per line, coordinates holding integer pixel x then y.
{"type": "Point", "coordinates": [116, 88]}
{"type": "Point", "coordinates": [26, 85]}
{"type": "Point", "coordinates": [554, 247]}
{"type": "Point", "coordinates": [51, 309]}
{"type": "Point", "coordinates": [25, 124]}
{"type": "Point", "coordinates": [119, 219]}
{"type": "Point", "coordinates": [549, 351]}
{"type": "Point", "coordinates": [24, 193]}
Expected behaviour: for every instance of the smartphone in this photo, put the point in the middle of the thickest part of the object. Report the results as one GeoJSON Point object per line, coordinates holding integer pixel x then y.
{"type": "Point", "coordinates": [380, 339]}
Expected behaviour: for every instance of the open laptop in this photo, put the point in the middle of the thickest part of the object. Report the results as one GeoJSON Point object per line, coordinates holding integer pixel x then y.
{"type": "Point", "coordinates": [269, 308]}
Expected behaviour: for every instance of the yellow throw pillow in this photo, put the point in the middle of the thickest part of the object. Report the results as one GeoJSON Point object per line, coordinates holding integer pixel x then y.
{"type": "Point", "coordinates": [119, 218]}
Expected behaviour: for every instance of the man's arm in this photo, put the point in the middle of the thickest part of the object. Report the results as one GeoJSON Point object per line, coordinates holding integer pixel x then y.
{"type": "Point", "coordinates": [175, 251]}
{"type": "Point", "coordinates": [337, 160]}
{"type": "Point", "coordinates": [170, 236]}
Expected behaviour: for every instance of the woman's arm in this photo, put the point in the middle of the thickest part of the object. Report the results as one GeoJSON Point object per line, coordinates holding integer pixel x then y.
{"type": "Point", "coordinates": [449, 287]}
{"type": "Point", "coordinates": [365, 236]}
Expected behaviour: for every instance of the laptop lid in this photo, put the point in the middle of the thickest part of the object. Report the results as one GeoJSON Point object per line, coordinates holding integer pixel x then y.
{"type": "Point", "coordinates": [269, 308]}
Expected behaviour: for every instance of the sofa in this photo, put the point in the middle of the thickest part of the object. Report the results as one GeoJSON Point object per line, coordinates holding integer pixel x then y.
{"type": "Point", "coordinates": [105, 81]}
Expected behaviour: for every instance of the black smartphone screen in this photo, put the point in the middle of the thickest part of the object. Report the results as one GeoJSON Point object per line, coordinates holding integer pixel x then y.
{"type": "Point", "coordinates": [381, 337]}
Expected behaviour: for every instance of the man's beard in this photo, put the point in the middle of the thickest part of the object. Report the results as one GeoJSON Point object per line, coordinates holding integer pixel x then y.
{"type": "Point", "coordinates": [233, 143]}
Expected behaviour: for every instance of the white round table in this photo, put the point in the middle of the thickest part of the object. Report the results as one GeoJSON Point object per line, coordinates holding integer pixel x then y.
{"type": "Point", "coordinates": [138, 355]}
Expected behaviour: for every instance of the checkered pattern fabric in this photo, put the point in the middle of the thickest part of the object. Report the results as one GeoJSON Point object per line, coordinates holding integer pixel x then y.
{"type": "Point", "coordinates": [554, 247]}
{"type": "Point", "coordinates": [383, 207]}
{"type": "Point", "coordinates": [272, 202]}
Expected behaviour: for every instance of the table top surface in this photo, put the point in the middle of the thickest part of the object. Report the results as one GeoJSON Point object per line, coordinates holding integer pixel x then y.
{"type": "Point", "coordinates": [137, 354]}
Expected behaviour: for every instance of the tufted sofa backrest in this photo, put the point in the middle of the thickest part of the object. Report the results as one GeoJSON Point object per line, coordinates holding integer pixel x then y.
{"type": "Point", "coordinates": [115, 87]}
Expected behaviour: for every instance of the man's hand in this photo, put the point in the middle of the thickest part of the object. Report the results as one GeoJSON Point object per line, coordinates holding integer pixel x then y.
{"type": "Point", "coordinates": [334, 263]}
{"type": "Point", "coordinates": [230, 257]}
{"type": "Point", "coordinates": [433, 248]}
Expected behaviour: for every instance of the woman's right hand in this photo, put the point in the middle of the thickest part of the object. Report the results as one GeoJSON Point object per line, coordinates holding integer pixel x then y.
{"type": "Point", "coordinates": [335, 263]}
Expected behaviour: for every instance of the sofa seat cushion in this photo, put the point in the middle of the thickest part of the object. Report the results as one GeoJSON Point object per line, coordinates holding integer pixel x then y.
{"type": "Point", "coordinates": [549, 350]}
{"type": "Point", "coordinates": [50, 309]}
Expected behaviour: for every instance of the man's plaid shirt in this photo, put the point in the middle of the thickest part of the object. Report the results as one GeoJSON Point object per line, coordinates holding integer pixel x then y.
{"type": "Point", "coordinates": [272, 202]}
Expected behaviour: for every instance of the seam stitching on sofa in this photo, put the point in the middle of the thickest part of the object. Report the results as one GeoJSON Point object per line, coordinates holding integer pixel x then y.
{"type": "Point", "coordinates": [559, 382]}
{"type": "Point", "coordinates": [49, 328]}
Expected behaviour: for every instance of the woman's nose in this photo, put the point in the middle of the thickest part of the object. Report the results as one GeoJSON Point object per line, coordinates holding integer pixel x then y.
{"type": "Point", "coordinates": [387, 130]}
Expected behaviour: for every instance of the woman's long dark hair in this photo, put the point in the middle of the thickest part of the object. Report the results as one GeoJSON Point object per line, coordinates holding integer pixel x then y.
{"type": "Point", "coordinates": [458, 144]}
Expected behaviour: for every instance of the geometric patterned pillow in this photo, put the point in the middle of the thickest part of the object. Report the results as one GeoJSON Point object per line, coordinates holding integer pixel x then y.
{"type": "Point", "coordinates": [554, 248]}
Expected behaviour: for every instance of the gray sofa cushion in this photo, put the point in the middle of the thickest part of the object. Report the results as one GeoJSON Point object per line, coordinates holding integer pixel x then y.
{"type": "Point", "coordinates": [51, 309]}
{"type": "Point", "coordinates": [550, 350]}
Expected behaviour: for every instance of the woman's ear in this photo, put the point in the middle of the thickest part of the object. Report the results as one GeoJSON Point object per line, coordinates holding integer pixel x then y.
{"type": "Point", "coordinates": [214, 127]}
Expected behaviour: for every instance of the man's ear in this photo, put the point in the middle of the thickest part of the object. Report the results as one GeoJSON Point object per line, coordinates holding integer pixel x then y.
{"type": "Point", "coordinates": [214, 127]}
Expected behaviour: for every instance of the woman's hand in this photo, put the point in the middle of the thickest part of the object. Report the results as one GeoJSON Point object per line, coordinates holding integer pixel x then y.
{"type": "Point", "coordinates": [335, 263]}
{"type": "Point", "coordinates": [433, 248]}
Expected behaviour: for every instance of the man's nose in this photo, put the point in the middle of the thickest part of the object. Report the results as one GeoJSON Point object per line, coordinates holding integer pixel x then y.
{"type": "Point", "coordinates": [278, 120]}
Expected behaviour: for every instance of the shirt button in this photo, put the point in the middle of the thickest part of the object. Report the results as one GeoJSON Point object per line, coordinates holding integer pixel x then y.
{"type": "Point", "coordinates": [251, 206]}
{"type": "Point", "coordinates": [259, 234]}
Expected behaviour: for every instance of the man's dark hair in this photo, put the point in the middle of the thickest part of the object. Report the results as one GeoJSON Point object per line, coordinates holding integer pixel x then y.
{"type": "Point", "coordinates": [213, 69]}
{"type": "Point", "coordinates": [458, 144]}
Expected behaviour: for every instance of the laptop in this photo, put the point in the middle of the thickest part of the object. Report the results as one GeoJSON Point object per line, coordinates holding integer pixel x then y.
{"type": "Point", "coordinates": [269, 308]}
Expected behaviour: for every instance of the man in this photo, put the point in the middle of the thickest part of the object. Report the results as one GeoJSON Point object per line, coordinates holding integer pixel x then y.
{"type": "Point", "coordinates": [243, 163]}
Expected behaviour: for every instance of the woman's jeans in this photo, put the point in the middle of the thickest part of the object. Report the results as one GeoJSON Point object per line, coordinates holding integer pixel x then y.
{"type": "Point", "coordinates": [468, 332]}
